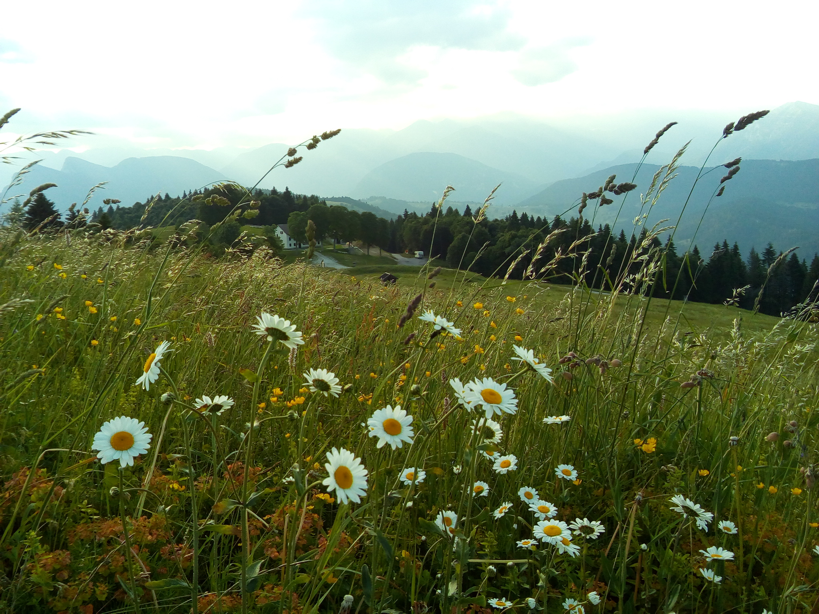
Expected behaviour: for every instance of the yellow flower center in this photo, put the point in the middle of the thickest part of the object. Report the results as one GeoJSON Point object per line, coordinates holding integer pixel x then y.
{"type": "Point", "coordinates": [505, 464]}
{"type": "Point", "coordinates": [447, 521]}
{"type": "Point", "coordinates": [478, 489]}
{"type": "Point", "coordinates": [392, 427]}
{"type": "Point", "coordinates": [121, 441]}
{"type": "Point", "coordinates": [566, 471]}
{"type": "Point", "coordinates": [149, 362]}
{"type": "Point", "coordinates": [566, 541]}
{"type": "Point", "coordinates": [491, 396]}
{"type": "Point", "coordinates": [716, 556]}
{"type": "Point", "coordinates": [410, 475]}
{"type": "Point", "coordinates": [553, 530]}
{"type": "Point", "coordinates": [544, 509]}
{"type": "Point", "coordinates": [529, 495]}
{"type": "Point", "coordinates": [343, 477]}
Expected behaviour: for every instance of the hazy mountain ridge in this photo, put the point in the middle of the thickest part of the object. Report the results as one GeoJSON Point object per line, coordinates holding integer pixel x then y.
{"type": "Point", "coordinates": [130, 181]}
{"type": "Point", "coordinates": [782, 195]}
{"type": "Point", "coordinates": [425, 175]}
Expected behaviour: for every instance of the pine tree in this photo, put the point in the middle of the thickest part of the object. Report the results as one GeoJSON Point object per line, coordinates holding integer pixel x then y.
{"type": "Point", "coordinates": [14, 217]}
{"type": "Point", "coordinates": [38, 211]}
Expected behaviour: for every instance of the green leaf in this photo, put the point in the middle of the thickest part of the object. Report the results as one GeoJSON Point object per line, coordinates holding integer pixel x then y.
{"type": "Point", "coordinates": [385, 543]}
{"type": "Point", "coordinates": [224, 506]}
{"type": "Point", "coordinates": [430, 527]}
{"type": "Point", "coordinates": [166, 583]}
{"type": "Point", "coordinates": [253, 579]}
{"type": "Point", "coordinates": [367, 584]}
{"type": "Point", "coordinates": [248, 375]}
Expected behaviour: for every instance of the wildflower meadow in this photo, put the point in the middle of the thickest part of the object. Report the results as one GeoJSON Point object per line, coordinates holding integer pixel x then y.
{"type": "Point", "coordinates": [181, 433]}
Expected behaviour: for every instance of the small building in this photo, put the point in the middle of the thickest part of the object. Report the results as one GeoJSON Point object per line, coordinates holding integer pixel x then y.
{"type": "Point", "coordinates": [289, 242]}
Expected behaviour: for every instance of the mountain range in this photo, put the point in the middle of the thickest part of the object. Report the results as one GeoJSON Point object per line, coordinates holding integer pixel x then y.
{"type": "Point", "coordinates": [542, 166]}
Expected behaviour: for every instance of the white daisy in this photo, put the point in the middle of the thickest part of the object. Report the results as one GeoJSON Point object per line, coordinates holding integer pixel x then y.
{"type": "Point", "coordinates": [573, 606]}
{"type": "Point", "coordinates": [593, 597]}
{"type": "Point", "coordinates": [440, 323]}
{"type": "Point", "coordinates": [551, 531]}
{"type": "Point", "coordinates": [348, 477]}
{"type": "Point", "coordinates": [528, 544]}
{"type": "Point", "coordinates": [543, 509]}
{"type": "Point", "coordinates": [590, 529]}
{"type": "Point", "coordinates": [122, 439]}
{"type": "Point", "coordinates": [715, 553]}
{"type": "Point", "coordinates": [428, 316]}
{"type": "Point", "coordinates": [460, 393]}
{"type": "Point", "coordinates": [278, 329]}
{"type": "Point", "coordinates": [726, 526]}
{"type": "Point", "coordinates": [447, 521]}
{"type": "Point", "coordinates": [566, 546]}
{"type": "Point", "coordinates": [391, 426]}
{"type": "Point", "coordinates": [480, 489]}
{"type": "Point", "coordinates": [151, 368]}
{"type": "Point", "coordinates": [567, 472]}
{"type": "Point", "coordinates": [408, 476]}
{"type": "Point", "coordinates": [494, 397]}
{"type": "Point", "coordinates": [709, 575]}
{"type": "Point", "coordinates": [490, 454]}
{"type": "Point", "coordinates": [499, 603]}
{"type": "Point", "coordinates": [505, 464]}
{"type": "Point", "coordinates": [323, 381]}
{"type": "Point", "coordinates": [528, 494]}
{"type": "Point", "coordinates": [689, 509]}
{"type": "Point", "coordinates": [490, 430]}
{"type": "Point", "coordinates": [457, 469]}
{"type": "Point", "coordinates": [215, 406]}
{"type": "Point", "coordinates": [556, 419]}
{"type": "Point", "coordinates": [528, 357]}
{"type": "Point", "coordinates": [501, 511]}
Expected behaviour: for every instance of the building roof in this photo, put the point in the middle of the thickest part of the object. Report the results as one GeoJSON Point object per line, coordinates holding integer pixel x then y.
{"type": "Point", "coordinates": [284, 228]}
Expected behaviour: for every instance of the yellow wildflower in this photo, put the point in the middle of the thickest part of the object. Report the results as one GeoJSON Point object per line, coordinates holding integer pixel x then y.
{"type": "Point", "coordinates": [511, 299]}
{"type": "Point", "coordinates": [492, 324]}
{"type": "Point", "coordinates": [92, 310]}
{"type": "Point", "coordinates": [703, 472]}
{"type": "Point", "coordinates": [796, 491]}
{"type": "Point", "coordinates": [457, 304]}
{"type": "Point", "coordinates": [478, 305]}
{"type": "Point", "coordinates": [113, 318]}
{"type": "Point", "coordinates": [62, 275]}
{"type": "Point", "coordinates": [58, 267]}
{"type": "Point", "coordinates": [518, 338]}
{"type": "Point", "coordinates": [773, 490]}
{"type": "Point", "coordinates": [30, 267]}
{"type": "Point", "coordinates": [486, 314]}
{"type": "Point", "coordinates": [519, 311]}
{"type": "Point", "coordinates": [760, 485]}
{"type": "Point", "coordinates": [94, 342]}
{"type": "Point", "coordinates": [137, 321]}
{"type": "Point", "coordinates": [479, 349]}
{"type": "Point", "coordinates": [492, 337]}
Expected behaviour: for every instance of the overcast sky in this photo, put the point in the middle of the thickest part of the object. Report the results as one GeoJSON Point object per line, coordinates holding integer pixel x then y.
{"type": "Point", "coordinates": [202, 74]}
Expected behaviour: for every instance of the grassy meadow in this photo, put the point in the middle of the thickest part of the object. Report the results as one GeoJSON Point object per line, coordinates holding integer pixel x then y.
{"type": "Point", "coordinates": [229, 512]}
{"type": "Point", "coordinates": [181, 433]}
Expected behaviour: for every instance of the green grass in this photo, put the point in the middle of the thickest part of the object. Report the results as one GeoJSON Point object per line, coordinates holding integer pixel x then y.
{"type": "Point", "coordinates": [222, 511]}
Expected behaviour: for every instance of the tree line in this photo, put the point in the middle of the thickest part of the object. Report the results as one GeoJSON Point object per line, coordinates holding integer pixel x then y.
{"type": "Point", "coordinates": [515, 246]}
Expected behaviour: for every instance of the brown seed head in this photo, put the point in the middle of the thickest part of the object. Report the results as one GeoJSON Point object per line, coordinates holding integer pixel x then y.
{"type": "Point", "coordinates": [329, 134]}
{"type": "Point", "coordinates": [291, 152]}
{"type": "Point", "coordinates": [773, 436]}
{"type": "Point", "coordinates": [292, 162]}
{"type": "Point", "coordinates": [728, 130]}
{"type": "Point", "coordinates": [732, 163]}
{"type": "Point", "coordinates": [746, 120]}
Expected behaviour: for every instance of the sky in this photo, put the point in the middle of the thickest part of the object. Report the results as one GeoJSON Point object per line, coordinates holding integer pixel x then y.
{"type": "Point", "coordinates": [205, 74]}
